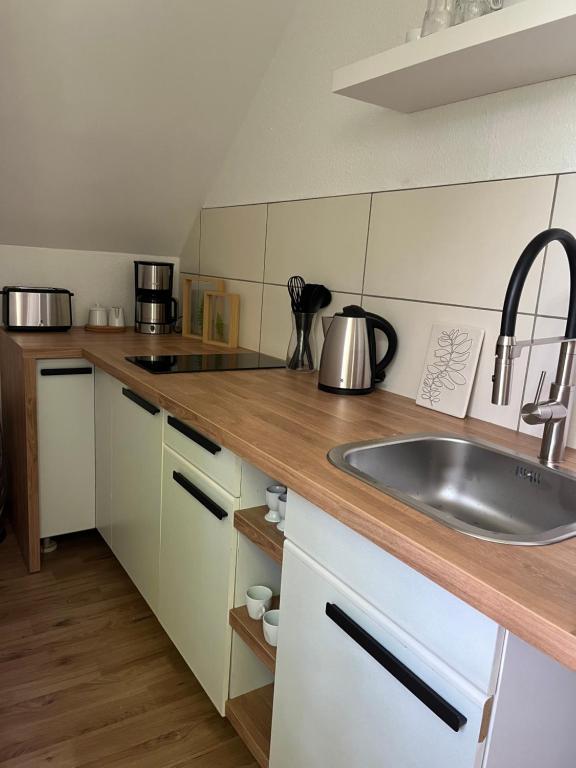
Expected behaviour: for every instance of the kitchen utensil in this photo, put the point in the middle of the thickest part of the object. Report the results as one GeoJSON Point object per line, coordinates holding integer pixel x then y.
{"type": "Point", "coordinates": [348, 365]}
{"type": "Point", "coordinates": [258, 601]}
{"type": "Point", "coordinates": [116, 317]}
{"type": "Point", "coordinates": [295, 287]}
{"type": "Point", "coordinates": [270, 624]}
{"type": "Point", "coordinates": [314, 297]}
{"type": "Point", "coordinates": [466, 10]}
{"type": "Point", "coordinates": [98, 316]}
{"type": "Point", "coordinates": [301, 349]}
{"type": "Point", "coordinates": [282, 511]}
{"type": "Point", "coordinates": [273, 493]}
{"type": "Point", "coordinates": [439, 15]}
{"type": "Point", "coordinates": [36, 309]}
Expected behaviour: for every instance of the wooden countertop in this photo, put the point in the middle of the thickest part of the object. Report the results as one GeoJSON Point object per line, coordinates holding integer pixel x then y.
{"type": "Point", "coordinates": [280, 422]}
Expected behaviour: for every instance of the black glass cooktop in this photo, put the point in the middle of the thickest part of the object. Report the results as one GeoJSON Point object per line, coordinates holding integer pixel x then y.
{"type": "Point", "coordinates": [227, 361]}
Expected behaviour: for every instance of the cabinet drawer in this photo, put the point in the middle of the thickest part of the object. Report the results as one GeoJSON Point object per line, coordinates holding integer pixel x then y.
{"type": "Point", "coordinates": [220, 464]}
{"type": "Point", "coordinates": [197, 564]}
{"type": "Point", "coordinates": [466, 639]}
{"type": "Point", "coordinates": [352, 689]}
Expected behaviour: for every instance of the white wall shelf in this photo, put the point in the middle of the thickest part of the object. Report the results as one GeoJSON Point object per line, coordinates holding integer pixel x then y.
{"type": "Point", "coordinates": [527, 43]}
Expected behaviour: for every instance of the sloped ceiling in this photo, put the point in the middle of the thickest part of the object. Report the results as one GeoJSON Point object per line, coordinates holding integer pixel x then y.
{"type": "Point", "coordinates": [114, 114]}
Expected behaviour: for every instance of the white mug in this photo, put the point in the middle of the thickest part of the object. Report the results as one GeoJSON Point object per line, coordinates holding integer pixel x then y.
{"type": "Point", "coordinates": [258, 601]}
{"type": "Point", "coordinates": [116, 317]}
{"type": "Point", "coordinates": [282, 511]}
{"type": "Point", "coordinates": [270, 623]}
{"type": "Point", "coordinates": [98, 315]}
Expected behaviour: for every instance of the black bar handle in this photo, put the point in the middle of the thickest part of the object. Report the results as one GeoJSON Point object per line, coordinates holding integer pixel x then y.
{"type": "Point", "coordinates": [428, 696]}
{"type": "Point", "coordinates": [197, 437]}
{"type": "Point", "coordinates": [66, 371]}
{"type": "Point", "coordinates": [140, 401]}
{"type": "Point", "coordinates": [199, 495]}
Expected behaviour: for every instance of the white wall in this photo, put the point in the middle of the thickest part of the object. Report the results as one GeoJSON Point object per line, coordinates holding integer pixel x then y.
{"type": "Point", "coordinates": [298, 140]}
{"type": "Point", "coordinates": [93, 277]}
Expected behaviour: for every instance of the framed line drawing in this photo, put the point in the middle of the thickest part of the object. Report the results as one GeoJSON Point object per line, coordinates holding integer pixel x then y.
{"type": "Point", "coordinates": [194, 288]}
{"type": "Point", "coordinates": [450, 368]}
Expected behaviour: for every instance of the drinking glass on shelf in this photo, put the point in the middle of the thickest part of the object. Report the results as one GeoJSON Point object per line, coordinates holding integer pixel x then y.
{"type": "Point", "coordinates": [439, 15]}
{"type": "Point", "coordinates": [466, 10]}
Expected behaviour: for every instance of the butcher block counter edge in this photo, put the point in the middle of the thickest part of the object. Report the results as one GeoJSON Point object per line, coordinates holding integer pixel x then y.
{"type": "Point", "coordinates": [279, 422]}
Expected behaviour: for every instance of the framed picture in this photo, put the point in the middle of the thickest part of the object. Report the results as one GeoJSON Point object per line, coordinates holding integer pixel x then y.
{"type": "Point", "coordinates": [221, 318]}
{"type": "Point", "coordinates": [194, 288]}
{"type": "Point", "coordinates": [450, 368]}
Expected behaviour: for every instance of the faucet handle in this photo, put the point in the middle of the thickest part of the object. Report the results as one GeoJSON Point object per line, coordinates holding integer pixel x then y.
{"type": "Point", "coordinates": [540, 387]}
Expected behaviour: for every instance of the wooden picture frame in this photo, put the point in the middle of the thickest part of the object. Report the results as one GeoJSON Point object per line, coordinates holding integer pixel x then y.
{"type": "Point", "coordinates": [221, 318]}
{"type": "Point", "coordinates": [194, 288]}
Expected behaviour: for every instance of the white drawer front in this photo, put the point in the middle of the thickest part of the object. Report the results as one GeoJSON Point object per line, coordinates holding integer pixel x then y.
{"type": "Point", "coordinates": [220, 464]}
{"type": "Point", "coordinates": [466, 639]}
{"type": "Point", "coordinates": [342, 700]}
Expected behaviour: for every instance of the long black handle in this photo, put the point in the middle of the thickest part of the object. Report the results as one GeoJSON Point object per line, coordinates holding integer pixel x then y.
{"type": "Point", "coordinates": [197, 437]}
{"type": "Point", "coordinates": [140, 401]}
{"type": "Point", "coordinates": [428, 696]}
{"type": "Point", "coordinates": [65, 371]}
{"type": "Point", "coordinates": [199, 495]}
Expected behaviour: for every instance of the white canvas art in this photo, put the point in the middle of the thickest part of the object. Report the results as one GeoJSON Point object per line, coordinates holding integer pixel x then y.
{"type": "Point", "coordinates": [450, 368]}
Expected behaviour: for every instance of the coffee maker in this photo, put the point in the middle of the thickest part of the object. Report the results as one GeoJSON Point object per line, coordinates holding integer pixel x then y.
{"type": "Point", "coordinates": [155, 307]}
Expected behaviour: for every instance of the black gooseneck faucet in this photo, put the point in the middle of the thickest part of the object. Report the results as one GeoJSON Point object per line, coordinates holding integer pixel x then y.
{"type": "Point", "coordinates": [554, 412]}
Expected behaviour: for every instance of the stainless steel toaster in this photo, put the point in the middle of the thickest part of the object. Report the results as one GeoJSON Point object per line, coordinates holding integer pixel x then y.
{"type": "Point", "coordinates": [36, 309]}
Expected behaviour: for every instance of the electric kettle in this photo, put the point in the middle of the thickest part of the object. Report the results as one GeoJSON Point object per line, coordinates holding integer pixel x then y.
{"type": "Point", "coordinates": [348, 365]}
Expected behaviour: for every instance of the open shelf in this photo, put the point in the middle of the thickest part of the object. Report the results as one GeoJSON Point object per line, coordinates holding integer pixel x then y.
{"type": "Point", "coordinates": [252, 633]}
{"type": "Point", "coordinates": [251, 716]}
{"type": "Point", "coordinates": [265, 535]}
{"type": "Point", "coordinates": [527, 43]}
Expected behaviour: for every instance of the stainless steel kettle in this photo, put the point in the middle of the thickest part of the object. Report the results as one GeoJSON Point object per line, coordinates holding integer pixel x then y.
{"type": "Point", "coordinates": [348, 365]}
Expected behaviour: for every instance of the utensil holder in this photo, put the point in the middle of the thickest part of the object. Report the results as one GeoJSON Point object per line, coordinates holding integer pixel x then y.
{"type": "Point", "coordinates": [301, 353]}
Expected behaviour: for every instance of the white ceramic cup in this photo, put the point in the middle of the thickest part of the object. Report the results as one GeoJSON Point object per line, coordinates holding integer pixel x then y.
{"type": "Point", "coordinates": [98, 315]}
{"type": "Point", "coordinates": [273, 493]}
{"type": "Point", "coordinates": [270, 623]}
{"type": "Point", "coordinates": [258, 601]}
{"type": "Point", "coordinates": [116, 317]}
{"type": "Point", "coordinates": [282, 511]}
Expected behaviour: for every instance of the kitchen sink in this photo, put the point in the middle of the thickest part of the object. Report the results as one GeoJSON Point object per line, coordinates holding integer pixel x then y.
{"type": "Point", "coordinates": [468, 485]}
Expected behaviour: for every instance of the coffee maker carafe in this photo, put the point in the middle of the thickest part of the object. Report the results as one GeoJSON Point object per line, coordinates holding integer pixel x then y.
{"type": "Point", "coordinates": [156, 309]}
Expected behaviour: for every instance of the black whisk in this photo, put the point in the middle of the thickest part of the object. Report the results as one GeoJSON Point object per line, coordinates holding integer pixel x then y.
{"type": "Point", "coordinates": [295, 287]}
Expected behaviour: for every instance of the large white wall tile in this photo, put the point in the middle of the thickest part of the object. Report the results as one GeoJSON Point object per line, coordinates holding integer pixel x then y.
{"type": "Point", "coordinates": [233, 242]}
{"type": "Point", "coordinates": [556, 282]}
{"type": "Point", "coordinates": [324, 240]}
{"type": "Point", "coordinates": [250, 311]}
{"type": "Point", "coordinates": [413, 321]}
{"type": "Point", "coordinates": [277, 320]}
{"type": "Point", "coordinates": [457, 244]}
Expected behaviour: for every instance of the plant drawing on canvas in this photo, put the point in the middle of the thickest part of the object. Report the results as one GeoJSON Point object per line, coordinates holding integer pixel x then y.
{"type": "Point", "coordinates": [447, 371]}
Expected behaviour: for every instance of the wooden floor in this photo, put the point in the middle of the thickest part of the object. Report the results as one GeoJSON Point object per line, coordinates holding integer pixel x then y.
{"type": "Point", "coordinates": [88, 677]}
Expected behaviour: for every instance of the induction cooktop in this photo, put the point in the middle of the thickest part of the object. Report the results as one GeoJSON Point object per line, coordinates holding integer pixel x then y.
{"type": "Point", "coordinates": [226, 361]}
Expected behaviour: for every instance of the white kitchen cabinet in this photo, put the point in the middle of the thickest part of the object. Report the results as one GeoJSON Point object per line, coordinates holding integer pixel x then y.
{"type": "Point", "coordinates": [104, 387]}
{"type": "Point", "coordinates": [197, 559]}
{"type": "Point", "coordinates": [65, 401]}
{"type": "Point", "coordinates": [135, 488]}
{"type": "Point", "coordinates": [353, 689]}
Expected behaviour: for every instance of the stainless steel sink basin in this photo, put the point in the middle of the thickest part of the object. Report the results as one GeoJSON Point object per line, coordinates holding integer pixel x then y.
{"type": "Point", "coordinates": [470, 486]}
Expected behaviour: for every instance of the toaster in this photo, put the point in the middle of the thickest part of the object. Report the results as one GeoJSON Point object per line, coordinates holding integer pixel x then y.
{"type": "Point", "coordinates": [36, 309]}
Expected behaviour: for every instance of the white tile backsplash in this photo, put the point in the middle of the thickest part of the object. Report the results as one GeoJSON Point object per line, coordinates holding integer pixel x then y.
{"type": "Point", "coordinates": [458, 244]}
{"type": "Point", "coordinates": [434, 255]}
{"type": "Point", "coordinates": [323, 240]}
{"type": "Point", "coordinates": [556, 281]}
{"type": "Point", "coordinates": [413, 321]}
{"type": "Point", "coordinates": [233, 242]}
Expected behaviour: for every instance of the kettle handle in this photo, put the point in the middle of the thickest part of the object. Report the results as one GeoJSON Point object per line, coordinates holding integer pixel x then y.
{"type": "Point", "coordinates": [380, 324]}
